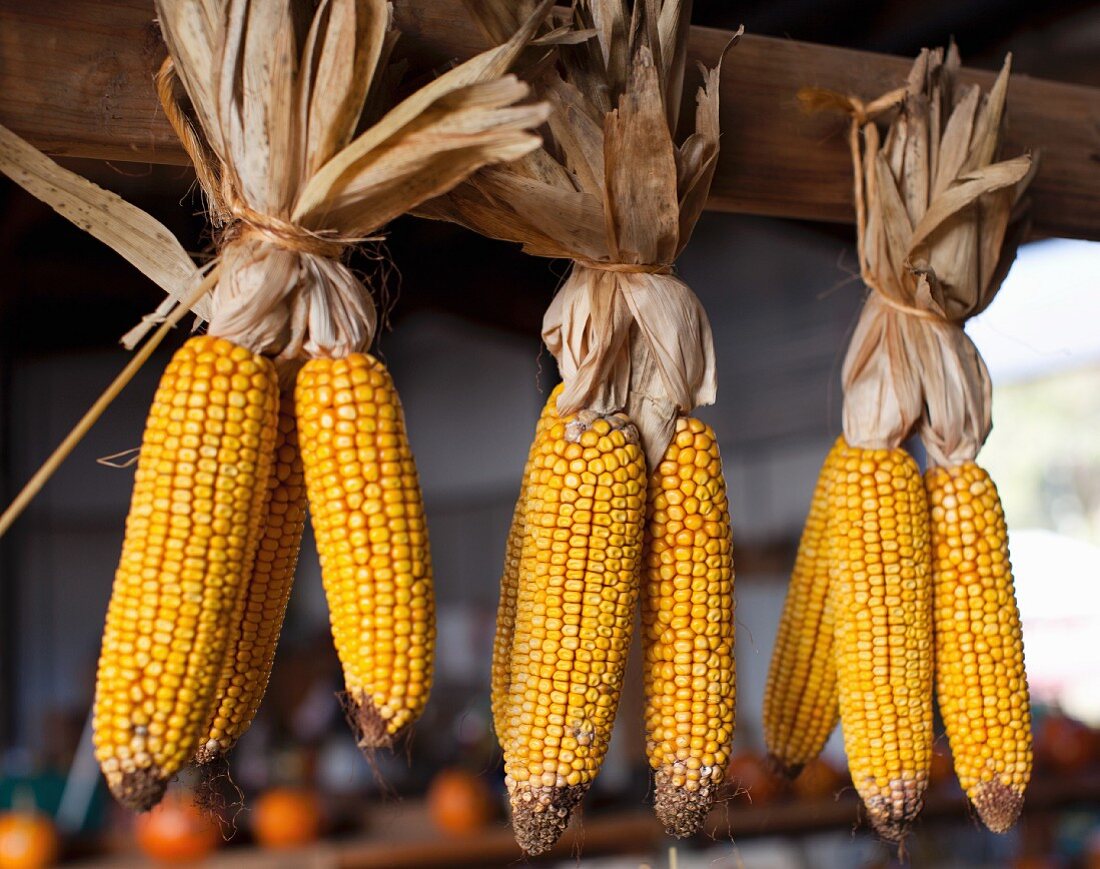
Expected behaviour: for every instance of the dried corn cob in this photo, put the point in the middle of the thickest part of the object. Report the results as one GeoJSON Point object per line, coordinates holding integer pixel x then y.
{"type": "Point", "coordinates": [259, 622]}
{"type": "Point", "coordinates": [881, 592]}
{"type": "Point", "coordinates": [578, 586]}
{"type": "Point", "coordinates": [191, 538]}
{"type": "Point", "coordinates": [981, 685]}
{"type": "Point", "coordinates": [800, 702]}
{"type": "Point", "coordinates": [368, 518]}
{"type": "Point", "coordinates": [688, 629]}
{"type": "Point", "coordinates": [509, 580]}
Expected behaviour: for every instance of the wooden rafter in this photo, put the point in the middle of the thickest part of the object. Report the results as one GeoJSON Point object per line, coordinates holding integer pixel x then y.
{"type": "Point", "coordinates": [75, 79]}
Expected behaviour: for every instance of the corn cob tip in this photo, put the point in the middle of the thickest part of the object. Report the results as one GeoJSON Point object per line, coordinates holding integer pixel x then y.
{"type": "Point", "coordinates": [139, 790]}
{"type": "Point", "coordinates": [998, 805]}
{"type": "Point", "coordinates": [583, 420]}
{"type": "Point", "coordinates": [540, 815]}
{"type": "Point", "coordinates": [681, 810]}
{"type": "Point", "coordinates": [780, 767]}
{"type": "Point", "coordinates": [209, 752]}
{"type": "Point", "coordinates": [371, 729]}
{"type": "Point", "coordinates": [892, 812]}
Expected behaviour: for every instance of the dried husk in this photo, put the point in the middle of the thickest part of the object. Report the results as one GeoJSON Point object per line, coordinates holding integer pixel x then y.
{"type": "Point", "coordinates": [270, 110]}
{"type": "Point", "coordinates": [613, 190]}
{"type": "Point", "coordinates": [939, 224]}
{"type": "Point", "coordinates": [269, 99]}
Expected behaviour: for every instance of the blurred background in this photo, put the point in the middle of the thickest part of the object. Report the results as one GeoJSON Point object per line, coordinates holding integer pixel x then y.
{"type": "Point", "coordinates": [463, 345]}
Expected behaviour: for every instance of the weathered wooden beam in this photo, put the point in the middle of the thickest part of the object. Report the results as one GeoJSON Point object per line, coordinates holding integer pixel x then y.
{"type": "Point", "coordinates": [75, 79]}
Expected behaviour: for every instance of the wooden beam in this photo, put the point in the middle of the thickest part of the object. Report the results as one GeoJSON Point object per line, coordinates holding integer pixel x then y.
{"type": "Point", "coordinates": [75, 79]}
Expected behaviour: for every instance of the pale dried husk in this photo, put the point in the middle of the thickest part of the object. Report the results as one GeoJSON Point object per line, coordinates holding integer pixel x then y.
{"type": "Point", "coordinates": [612, 190]}
{"type": "Point", "coordinates": [275, 108]}
{"type": "Point", "coordinates": [269, 98]}
{"type": "Point", "coordinates": [938, 230]}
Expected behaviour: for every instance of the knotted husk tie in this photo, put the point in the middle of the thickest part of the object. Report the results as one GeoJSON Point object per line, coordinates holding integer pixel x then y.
{"type": "Point", "coordinates": [613, 191]}
{"type": "Point", "coordinates": [938, 226]}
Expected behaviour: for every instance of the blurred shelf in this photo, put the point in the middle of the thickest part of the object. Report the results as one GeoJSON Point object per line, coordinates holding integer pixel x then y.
{"type": "Point", "coordinates": [402, 836]}
{"type": "Point", "coordinates": [844, 812]}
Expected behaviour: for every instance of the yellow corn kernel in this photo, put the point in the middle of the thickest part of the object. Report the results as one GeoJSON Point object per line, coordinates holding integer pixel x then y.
{"type": "Point", "coordinates": [368, 518]}
{"type": "Point", "coordinates": [259, 621]}
{"type": "Point", "coordinates": [881, 592]}
{"type": "Point", "coordinates": [191, 537]}
{"type": "Point", "coordinates": [688, 628]}
{"type": "Point", "coordinates": [509, 580]}
{"type": "Point", "coordinates": [981, 685]}
{"type": "Point", "coordinates": [800, 702]}
{"type": "Point", "coordinates": [578, 585]}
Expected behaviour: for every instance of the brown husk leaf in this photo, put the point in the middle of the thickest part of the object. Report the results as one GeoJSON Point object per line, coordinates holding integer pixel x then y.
{"type": "Point", "coordinates": [938, 230]}
{"type": "Point", "coordinates": [612, 189]}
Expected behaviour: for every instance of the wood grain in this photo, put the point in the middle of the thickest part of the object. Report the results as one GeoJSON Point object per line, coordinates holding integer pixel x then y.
{"type": "Point", "coordinates": [75, 79]}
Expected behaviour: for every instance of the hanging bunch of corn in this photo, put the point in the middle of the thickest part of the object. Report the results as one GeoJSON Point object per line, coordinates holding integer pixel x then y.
{"type": "Point", "coordinates": [903, 580]}
{"type": "Point", "coordinates": [269, 100]}
{"type": "Point", "coordinates": [593, 530]}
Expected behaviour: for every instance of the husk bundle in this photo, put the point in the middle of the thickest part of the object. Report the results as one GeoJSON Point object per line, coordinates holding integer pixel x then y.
{"type": "Point", "coordinates": [270, 100]}
{"type": "Point", "coordinates": [938, 230]}
{"type": "Point", "coordinates": [277, 104]}
{"type": "Point", "coordinates": [613, 190]}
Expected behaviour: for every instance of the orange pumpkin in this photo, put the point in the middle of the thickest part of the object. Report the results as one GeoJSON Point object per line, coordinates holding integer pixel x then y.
{"type": "Point", "coordinates": [1063, 744]}
{"type": "Point", "coordinates": [286, 818]}
{"type": "Point", "coordinates": [27, 840]}
{"type": "Point", "coordinates": [176, 831]}
{"type": "Point", "coordinates": [748, 774]}
{"type": "Point", "coordinates": [459, 802]}
{"type": "Point", "coordinates": [818, 780]}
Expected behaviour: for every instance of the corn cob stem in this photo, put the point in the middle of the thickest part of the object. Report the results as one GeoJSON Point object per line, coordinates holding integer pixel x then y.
{"type": "Point", "coordinates": [800, 700]}
{"type": "Point", "coordinates": [578, 586]}
{"type": "Point", "coordinates": [509, 580]}
{"type": "Point", "coordinates": [688, 628]}
{"type": "Point", "coordinates": [191, 536]}
{"type": "Point", "coordinates": [881, 593]}
{"type": "Point", "coordinates": [259, 619]}
{"type": "Point", "coordinates": [981, 684]}
{"type": "Point", "coordinates": [368, 518]}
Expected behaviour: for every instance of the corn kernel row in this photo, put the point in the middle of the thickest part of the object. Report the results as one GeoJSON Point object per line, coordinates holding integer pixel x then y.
{"type": "Point", "coordinates": [191, 539]}
{"type": "Point", "coordinates": [880, 590]}
{"type": "Point", "coordinates": [688, 628]}
{"type": "Point", "coordinates": [981, 685]}
{"type": "Point", "coordinates": [800, 699]}
{"type": "Point", "coordinates": [368, 519]}
{"type": "Point", "coordinates": [578, 585]}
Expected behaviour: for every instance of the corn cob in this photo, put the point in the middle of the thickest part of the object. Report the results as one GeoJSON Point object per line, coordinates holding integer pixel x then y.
{"type": "Point", "coordinates": [191, 538]}
{"type": "Point", "coordinates": [981, 685]}
{"type": "Point", "coordinates": [509, 580]}
{"type": "Point", "coordinates": [687, 628]}
{"type": "Point", "coordinates": [881, 592]}
{"type": "Point", "coordinates": [578, 586]}
{"type": "Point", "coordinates": [800, 702]}
{"type": "Point", "coordinates": [368, 518]}
{"type": "Point", "coordinates": [259, 621]}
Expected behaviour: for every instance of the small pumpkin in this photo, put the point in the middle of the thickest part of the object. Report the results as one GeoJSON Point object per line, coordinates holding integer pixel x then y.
{"type": "Point", "coordinates": [459, 802]}
{"type": "Point", "coordinates": [27, 840]}
{"type": "Point", "coordinates": [818, 780]}
{"type": "Point", "coordinates": [286, 818]}
{"type": "Point", "coordinates": [1064, 744]}
{"type": "Point", "coordinates": [750, 779]}
{"type": "Point", "coordinates": [176, 831]}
